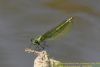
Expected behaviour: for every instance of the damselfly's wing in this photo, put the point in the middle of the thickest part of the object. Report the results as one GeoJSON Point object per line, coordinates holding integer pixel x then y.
{"type": "Point", "coordinates": [65, 25]}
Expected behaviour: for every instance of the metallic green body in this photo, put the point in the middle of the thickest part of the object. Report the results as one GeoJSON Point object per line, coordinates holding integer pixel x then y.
{"type": "Point", "coordinates": [53, 32]}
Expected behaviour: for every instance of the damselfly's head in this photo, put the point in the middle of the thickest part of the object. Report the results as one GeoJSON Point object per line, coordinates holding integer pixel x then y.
{"type": "Point", "coordinates": [36, 40]}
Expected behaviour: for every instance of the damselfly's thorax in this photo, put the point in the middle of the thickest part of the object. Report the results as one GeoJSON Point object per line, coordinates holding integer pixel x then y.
{"type": "Point", "coordinates": [36, 40]}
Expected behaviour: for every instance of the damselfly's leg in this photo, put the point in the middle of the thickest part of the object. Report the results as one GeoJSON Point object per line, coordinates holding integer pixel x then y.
{"type": "Point", "coordinates": [42, 47]}
{"type": "Point", "coordinates": [39, 46]}
{"type": "Point", "coordinates": [45, 44]}
{"type": "Point", "coordinates": [35, 46]}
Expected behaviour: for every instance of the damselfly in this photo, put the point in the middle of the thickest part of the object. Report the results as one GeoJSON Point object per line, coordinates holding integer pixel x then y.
{"type": "Point", "coordinates": [51, 33]}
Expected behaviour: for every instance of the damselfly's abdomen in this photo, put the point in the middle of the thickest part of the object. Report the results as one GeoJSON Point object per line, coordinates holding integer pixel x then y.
{"type": "Point", "coordinates": [57, 30]}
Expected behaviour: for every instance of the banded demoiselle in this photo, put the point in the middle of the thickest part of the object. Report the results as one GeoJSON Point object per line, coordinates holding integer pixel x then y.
{"type": "Point", "coordinates": [51, 33]}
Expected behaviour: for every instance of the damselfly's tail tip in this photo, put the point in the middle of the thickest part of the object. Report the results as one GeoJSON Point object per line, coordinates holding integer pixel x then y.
{"type": "Point", "coordinates": [70, 18]}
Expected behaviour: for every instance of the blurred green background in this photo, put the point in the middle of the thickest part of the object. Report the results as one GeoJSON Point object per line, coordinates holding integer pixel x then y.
{"type": "Point", "coordinates": [20, 20]}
